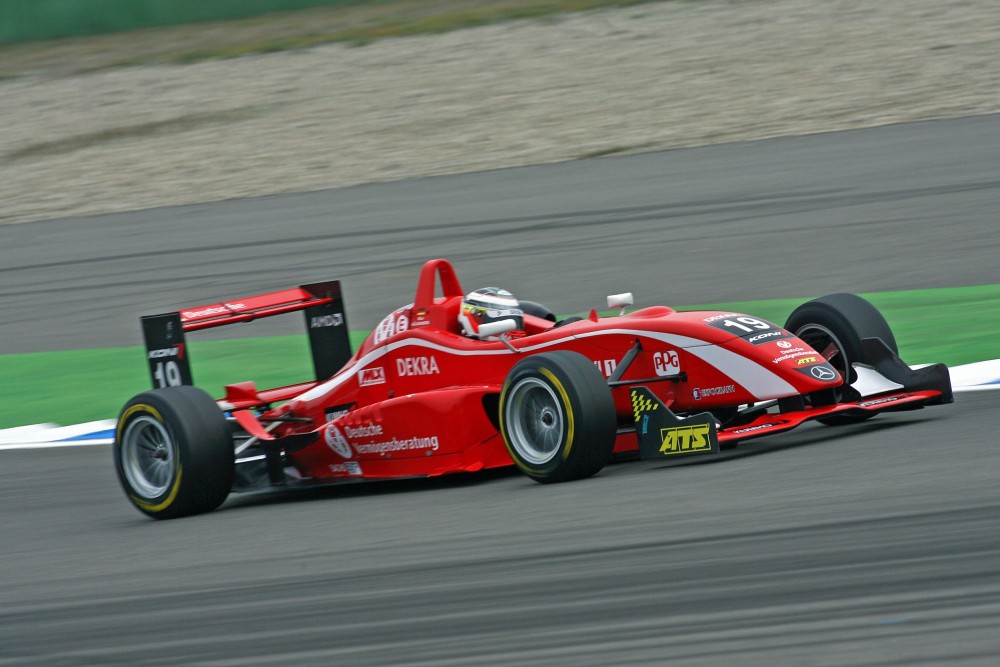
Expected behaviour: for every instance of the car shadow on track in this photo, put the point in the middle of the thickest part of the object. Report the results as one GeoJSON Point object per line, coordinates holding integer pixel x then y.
{"type": "Point", "coordinates": [805, 436]}
{"type": "Point", "coordinates": [363, 488]}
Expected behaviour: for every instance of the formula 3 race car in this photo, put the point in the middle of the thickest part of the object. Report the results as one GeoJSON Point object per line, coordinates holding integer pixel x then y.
{"type": "Point", "coordinates": [422, 397]}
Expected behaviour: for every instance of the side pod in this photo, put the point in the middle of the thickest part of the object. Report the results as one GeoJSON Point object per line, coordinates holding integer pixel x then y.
{"type": "Point", "coordinates": [662, 434]}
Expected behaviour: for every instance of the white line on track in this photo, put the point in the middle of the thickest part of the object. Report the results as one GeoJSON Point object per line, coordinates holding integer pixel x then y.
{"type": "Point", "coordinates": [979, 376]}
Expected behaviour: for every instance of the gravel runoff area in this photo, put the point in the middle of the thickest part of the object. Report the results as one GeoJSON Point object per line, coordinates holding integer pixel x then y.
{"type": "Point", "coordinates": [649, 77]}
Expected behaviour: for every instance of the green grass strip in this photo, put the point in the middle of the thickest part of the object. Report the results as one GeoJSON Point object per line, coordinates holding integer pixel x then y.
{"type": "Point", "coordinates": [950, 325]}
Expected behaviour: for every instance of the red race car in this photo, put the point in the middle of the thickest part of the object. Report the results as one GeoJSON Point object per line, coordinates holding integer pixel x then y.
{"type": "Point", "coordinates": [461, 382]}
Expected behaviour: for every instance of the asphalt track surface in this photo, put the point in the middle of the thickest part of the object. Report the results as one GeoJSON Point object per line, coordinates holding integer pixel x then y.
{"type": "Point", "coordinates": [898, 207]}
{"type": "Point", "coordinates": [871, 544]}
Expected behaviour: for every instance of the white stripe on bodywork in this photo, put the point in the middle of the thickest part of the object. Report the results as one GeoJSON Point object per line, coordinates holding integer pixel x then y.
{"type": "Point", "coordinates": [755, 378]}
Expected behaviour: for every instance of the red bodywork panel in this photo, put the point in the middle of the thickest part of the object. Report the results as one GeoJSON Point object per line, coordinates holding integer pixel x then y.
{"type": "Point", "coordinates": [419, 398]}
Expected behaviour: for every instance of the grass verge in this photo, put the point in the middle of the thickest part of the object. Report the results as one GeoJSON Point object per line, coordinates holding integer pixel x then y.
{"type": "Point", "coordinates": [356, 23]}
{"type": "Point", "coordinates": [950, 325]}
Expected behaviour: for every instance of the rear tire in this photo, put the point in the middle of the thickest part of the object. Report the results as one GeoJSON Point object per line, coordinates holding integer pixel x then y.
{"type": "Point", "coordinates": [173, 452]}
{"type": "Point", "coordinates": [834, 326]}
{"type": "Point", "coordinates": [557, 417]}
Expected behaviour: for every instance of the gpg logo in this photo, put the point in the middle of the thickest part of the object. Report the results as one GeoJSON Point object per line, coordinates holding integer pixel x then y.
{"type": "Point", "coordinates": [666, 363]}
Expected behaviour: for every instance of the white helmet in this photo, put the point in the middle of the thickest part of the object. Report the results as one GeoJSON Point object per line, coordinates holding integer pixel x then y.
{"type": "Point", "coordinates": [489, 304]}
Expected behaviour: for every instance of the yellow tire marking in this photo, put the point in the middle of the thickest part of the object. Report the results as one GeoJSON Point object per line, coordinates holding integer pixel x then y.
{"type": "Point", "coordinates": [569, 410]}
{"type": "Point", "coordinates": [139, 502]}
{"type": "Point", "coordinates": [150, 507]}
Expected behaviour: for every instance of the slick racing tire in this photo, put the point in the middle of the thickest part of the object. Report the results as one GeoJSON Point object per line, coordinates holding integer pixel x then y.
{"type": "Point", "coordinates": [834, 326]}
{"type": "Point", "coordinates": [173, 452]}
{"type": "Point", "coordinates": [557, 417]}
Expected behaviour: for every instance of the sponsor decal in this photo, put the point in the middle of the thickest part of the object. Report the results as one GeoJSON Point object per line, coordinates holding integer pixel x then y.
{"type": "Point", "coordinates": [350, 467]}
{"type": "Point", "coordinates": [371, 376]}
{"type": "Point", "coordinates": [823, 373]}
{"type": "Point", "coordinates": [363, 431]}
{"type": "Point", "coordinates": [175, 351]}
{"type": "Point", "coordinates": [336, 441]}
{"type": "Point", "coordinates": [338, 411]}
{"type": "Point", "coordinates": [420, 318]}
{"type": "Point", "coordinates": [224, 309]}
{"type": "Point", "coordinates": [685, 439]}
{"type": "Point", "coordinates": [751, 429]}
{"type": "Point", "coordinates": [666, 363]}
{"type": "Point", "coordinates": [321, 321]}
{"type": "Point", "coordinates": [794, 353]}
{"type": "Point", "coordinates": [722, 316]}
{"type": "Point", "coordinates": [393, 324]}
{"type": "Point", "coordinates": [606, 366]}
{"type": "Point", "coordinates": [880, 401]}
{"type": "Point", "coordinates": [430, 444]}
{"type": "Point", "coordinates": [417, 366]}
{"type": "Point", "coordinates": [805, 361]}
{"type": "Point", "coordinates": [700, 393]}
{"type": "Point", "coordinates": [764, 336]}
{"type": "Point", "coordinates": [784, 344]}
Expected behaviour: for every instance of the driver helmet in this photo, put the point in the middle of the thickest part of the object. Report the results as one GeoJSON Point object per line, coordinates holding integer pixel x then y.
{"type": "Point", "coordinates": [489, 304]}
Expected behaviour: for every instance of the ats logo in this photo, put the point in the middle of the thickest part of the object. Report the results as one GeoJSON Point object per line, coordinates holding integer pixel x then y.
{"type": "Point", "coordinates": [371, 376]}
{"type": "Point", "coordinates": [805, 361]}
{"type": "Point", "coordinates": [685, 439]}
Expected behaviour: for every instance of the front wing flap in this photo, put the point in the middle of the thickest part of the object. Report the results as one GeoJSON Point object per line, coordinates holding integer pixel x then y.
{"type": "Point", "coordinates": [664, 435]}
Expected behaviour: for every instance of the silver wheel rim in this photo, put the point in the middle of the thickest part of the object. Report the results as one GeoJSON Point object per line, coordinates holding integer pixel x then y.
{"type": "Point", "coordinates": [534, 421]}
{"type": "Point", "coordinates": [828, 345]}
{"type": "Point", "coordinates": [148, 457]}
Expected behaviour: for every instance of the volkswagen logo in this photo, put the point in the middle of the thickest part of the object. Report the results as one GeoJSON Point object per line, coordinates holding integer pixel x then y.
{"type": "Point", "coordinates": [822, 373]}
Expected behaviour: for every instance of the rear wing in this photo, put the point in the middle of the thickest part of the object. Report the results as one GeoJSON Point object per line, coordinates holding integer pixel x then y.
{"type": "Point", "coordinates": [322, 304]}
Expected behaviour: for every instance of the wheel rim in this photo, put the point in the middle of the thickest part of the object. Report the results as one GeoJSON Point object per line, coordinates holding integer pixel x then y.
{"type": "Point", "coordinates": [829, 346]}
{"type": "Point", "coordinates": [535, 421]}
{"type": "Point", "coordinates": [148, 457]}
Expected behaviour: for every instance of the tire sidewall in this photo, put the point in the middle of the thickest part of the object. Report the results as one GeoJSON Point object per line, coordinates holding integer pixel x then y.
{"type": "Point", "coordinates": [849, 318]}
{"type": "Point", "coordinates": [201, 441]}
{"type": "Point", "coordinates": [587, 409]}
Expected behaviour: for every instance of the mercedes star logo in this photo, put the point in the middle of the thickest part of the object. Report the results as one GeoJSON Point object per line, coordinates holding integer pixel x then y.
{"type": "Point", "coordinates": [822, 373]}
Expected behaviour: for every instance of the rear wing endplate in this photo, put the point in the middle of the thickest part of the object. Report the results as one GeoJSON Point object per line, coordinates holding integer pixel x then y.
{"type": "Point", "coordinates": [322, 304]}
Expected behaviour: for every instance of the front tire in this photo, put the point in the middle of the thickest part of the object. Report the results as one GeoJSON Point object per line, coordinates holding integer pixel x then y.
{"type": "Point", "coordinates": [557, 417]}
{"type": "Point", "coordinates": [834, 326]}
{"type": "Point", "coordinates": [173, 452]}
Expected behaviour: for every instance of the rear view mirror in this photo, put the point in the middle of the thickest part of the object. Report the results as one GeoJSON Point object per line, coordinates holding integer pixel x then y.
{"type": "Point", "coordinates": [620, 301]}
{"type": "Point", "coordinates": [496, 328]}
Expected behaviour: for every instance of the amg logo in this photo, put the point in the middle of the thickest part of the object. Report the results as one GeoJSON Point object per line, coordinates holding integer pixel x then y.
{"type": "Point", "coordinates": [371, 376]}
{"type": "Point", "coordinates": [417, 366]}
{"type": "Point", "coordinates": [320, 321]}
{"type": "Point", "coordinates": [167, 352]}
{"type": "Point", "coordinates": [684, 439]}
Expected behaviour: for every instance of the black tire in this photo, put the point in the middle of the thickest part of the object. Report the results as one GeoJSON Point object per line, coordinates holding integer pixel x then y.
{"type": "Point", "coordinates": [557, 417]}
{"type": "Point", "coordinates": [173, 452]}
{"type": "Point", "coordinates": [834, 326]}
